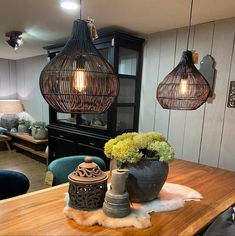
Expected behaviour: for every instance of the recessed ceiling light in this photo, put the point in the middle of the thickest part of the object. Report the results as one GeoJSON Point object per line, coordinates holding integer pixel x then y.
{"type": "Point", "coordinates": [69, 4]}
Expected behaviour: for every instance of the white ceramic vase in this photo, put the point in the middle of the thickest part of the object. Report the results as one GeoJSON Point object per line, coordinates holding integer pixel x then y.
{"type": "Point", "coordinates": [39, 133]}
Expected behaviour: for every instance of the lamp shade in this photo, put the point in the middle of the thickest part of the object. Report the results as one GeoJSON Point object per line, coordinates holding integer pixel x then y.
{"type": "Point", "coordinates": [79, 79]}
{"type": "Point", "coordinates": [11, 106]}
{"type": "Point", "coordinates": [184, 88]}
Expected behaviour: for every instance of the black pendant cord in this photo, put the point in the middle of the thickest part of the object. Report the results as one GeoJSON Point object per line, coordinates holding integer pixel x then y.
{"type": "Point", "coordinates": [189, 25]}
{"type": "Point", "coordinates": [80, 9]}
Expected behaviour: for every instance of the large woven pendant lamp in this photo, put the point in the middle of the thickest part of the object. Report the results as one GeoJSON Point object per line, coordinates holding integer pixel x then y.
{"type": "Point", "coordinates": [184, 88]}
{"type": "Point", "coordinates": [79, 79]}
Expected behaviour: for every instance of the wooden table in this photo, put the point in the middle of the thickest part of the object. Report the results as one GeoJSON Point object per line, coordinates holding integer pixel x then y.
{"type": "Point", "coordinates": [5, 139]}
{"type": "Point", "coordinates": [41, 212]}
{"type": "Point", "coordinates": [29, 144]}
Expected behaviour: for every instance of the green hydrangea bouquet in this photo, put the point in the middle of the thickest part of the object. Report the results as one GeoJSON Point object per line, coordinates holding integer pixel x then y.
{"type": "Point", "coordinates": [132, 147]}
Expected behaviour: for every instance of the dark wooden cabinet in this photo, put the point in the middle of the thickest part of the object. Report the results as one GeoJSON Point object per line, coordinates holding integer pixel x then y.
{"type": "Point", "coordinates": [60, 144]}
{"type": "Point", "coordinates": [71, 134]}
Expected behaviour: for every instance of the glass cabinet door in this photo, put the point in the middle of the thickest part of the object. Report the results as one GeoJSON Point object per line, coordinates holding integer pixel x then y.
{"type": "Point", "coordinates": [98, 121]}
{"type": "Point", "coordinates": [67, 118]}
{"type": "Point", "coordinates": [125, 118]}
{"type": "Point", "coordinates": [128, 59]}
{"type": "Point", "coordinates": [127, 70]}
{"type": "Point", "coordinates": [127, 90]}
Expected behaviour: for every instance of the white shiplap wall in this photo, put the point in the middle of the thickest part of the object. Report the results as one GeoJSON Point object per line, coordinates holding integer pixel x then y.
{"type": "Point", "coordinates": [20, 80]}
{"type": "Point", "coordinates": [7, 79]}
{"type": "Point", "coordinates": [27, 73]}
{"type": "Point", "coordinates": [207, 134]}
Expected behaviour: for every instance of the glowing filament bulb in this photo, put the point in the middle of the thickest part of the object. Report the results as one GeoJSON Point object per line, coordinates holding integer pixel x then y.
{"type": "Point", "coordinates": [79, 79]}
{"type": "Point", "coordinates": [183, 86]}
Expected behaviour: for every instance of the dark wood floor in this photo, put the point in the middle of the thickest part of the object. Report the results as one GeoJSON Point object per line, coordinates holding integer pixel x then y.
{"type": "Point", "coordinates": [33, 169]}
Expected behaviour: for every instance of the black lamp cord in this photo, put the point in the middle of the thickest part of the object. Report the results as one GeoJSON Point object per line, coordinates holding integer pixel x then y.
{"type": "Point", "coordinates": [189, 25]}
{"type": "Point", "coordinates": [80, 9]}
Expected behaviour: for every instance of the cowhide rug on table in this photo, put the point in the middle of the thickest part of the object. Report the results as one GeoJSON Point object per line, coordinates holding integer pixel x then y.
{"type": "Point", "coordinates": [171, 197]}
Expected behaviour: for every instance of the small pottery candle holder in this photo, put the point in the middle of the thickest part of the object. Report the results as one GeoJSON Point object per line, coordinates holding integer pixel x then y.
{"type": "Point", "coordinates": [87, 186]}
{"type": "Point", "coordinates": [116, 203]}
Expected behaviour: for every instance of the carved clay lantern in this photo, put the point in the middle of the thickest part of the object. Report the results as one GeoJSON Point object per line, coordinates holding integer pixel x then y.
{"type": "Point", "coordinates": [87, 186]}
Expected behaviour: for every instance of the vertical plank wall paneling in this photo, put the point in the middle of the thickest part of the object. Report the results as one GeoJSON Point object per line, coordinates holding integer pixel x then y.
{"type": "Point", "coordinates": [202, 43]}
{"type": "Point", "coordinates": [7, 79]}
{"type": "Point", "coordinates": [45, 107]}
{"type": "Point", "coordinates": [28, 72]}
{"type": "Point", "coordinates": [12, 79]}
{"type": "Point", "coordinates": [20, 75]}
{"type": "Point", "coordinates": [227, 153]}
{"type": "Point", "coordinates": [205, 135]}
{"type": "Point", "coordinates": [149, 84]}
{"type": "Point", "coordinates": [5, 83]}
{"type": "Point", "coordinates": [177, 118]}
{"type": "Point", "coordinates": [214, 116]}
{"type": "Point", "coordinates": [166, 64]}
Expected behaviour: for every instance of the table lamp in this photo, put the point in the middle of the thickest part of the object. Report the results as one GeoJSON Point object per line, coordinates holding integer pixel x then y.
{"type": "Point", "coordinates": [10, 109]}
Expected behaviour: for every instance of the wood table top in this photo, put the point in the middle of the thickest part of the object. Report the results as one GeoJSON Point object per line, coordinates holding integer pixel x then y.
{"type": "Point", "coordinates": [41, 212]}
{"type": "Point", "coordinates": [28, 138]}
{"type": "Point", "coordinates": [4, 137]}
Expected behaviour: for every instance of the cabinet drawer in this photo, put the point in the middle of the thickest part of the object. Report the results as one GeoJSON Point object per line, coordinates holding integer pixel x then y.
{"type": "Point", "coordinates": [84, 149]}
{"type": "Point", "coordinates": [59, 147]}
{"type": "Point", "coordinates": [62, 135]}
{"type": "Point", "coordinates": [92, 141]}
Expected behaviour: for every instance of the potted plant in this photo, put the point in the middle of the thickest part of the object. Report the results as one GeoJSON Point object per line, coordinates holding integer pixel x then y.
{"type": "Point", "coordinates": [39, 130]}
{"type": "Point", "coordinates": [146, 156]}
{"type": "Point", "coordinates": [23, 125]}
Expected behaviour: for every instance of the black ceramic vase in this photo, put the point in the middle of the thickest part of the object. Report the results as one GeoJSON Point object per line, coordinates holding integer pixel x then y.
{"type": "Point", "coordinates": [145, 179]}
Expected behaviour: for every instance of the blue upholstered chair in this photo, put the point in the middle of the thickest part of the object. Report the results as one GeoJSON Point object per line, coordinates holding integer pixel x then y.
{"type": "Point", "coordinates": [12, 183]}
{"type": "Point", "coordinates": [63, 166]}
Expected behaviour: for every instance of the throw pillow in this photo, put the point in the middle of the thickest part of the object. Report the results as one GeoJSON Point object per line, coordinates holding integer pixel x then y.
{"type": "Point", "coordinates": [2, 130]}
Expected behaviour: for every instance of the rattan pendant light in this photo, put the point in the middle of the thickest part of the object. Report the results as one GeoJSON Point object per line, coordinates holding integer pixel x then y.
{"type": "Point", "coordinates": [184, 88]}
{"type": "Point", "coordinates": [79, 79]}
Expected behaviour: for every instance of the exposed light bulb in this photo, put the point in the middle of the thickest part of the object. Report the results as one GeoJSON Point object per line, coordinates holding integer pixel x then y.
{"type": "Point", "coordinates": [183, 86]}
{"type": "Point", "coordinates": [20, 41]}
{"type": "Point", "coordinates": [79, 80]}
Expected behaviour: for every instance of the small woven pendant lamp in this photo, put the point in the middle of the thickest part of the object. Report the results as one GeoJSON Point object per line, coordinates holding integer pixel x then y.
{"type": "Point", "coordinates": [184, 88]}
{"type": "Point", "coordinates": [79, 79]}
